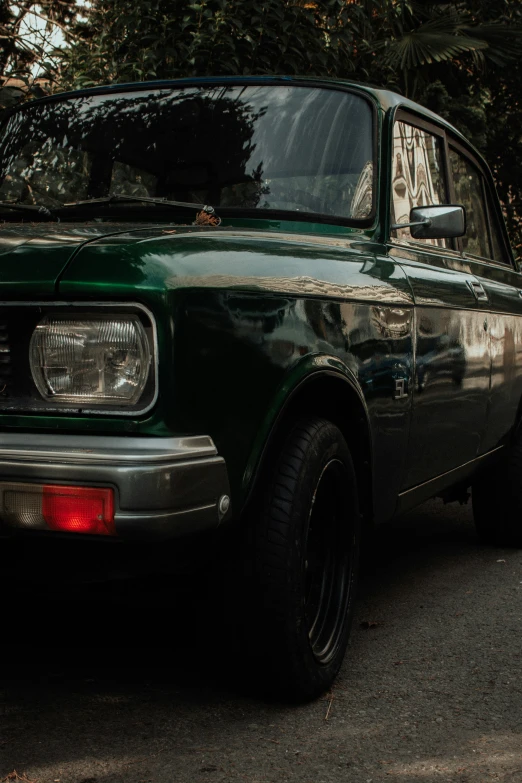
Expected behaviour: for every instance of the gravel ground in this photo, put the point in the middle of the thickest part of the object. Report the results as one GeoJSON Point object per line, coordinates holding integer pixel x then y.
{"type": "Point", "coordinates": [430, 689]}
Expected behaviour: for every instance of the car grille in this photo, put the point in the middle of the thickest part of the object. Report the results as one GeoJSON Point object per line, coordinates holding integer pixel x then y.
{"type": "Point", "coordinates": [6, 370]}
{"type": "Point", "coordinates": [16, 386]}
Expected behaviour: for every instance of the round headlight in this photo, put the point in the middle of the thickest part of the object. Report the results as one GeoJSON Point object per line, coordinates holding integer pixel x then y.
{"type": "Point", "coordinates": [98, 359]}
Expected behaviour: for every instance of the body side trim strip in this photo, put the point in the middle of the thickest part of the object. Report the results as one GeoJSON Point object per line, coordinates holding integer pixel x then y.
{"type": "Point", "coordinates": [415, 495]}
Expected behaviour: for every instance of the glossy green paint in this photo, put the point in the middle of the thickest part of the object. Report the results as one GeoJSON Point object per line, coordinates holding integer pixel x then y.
{"type": "Point", "coordinates": [237, 310]}
{"type": "Point", "coordinates": [32, 256]}
{"type": "Point", "coordinates": [307, 369]}
{"type": "Point", "coordinates": [249, 312]}
{"type": "Point", "coordinates": [297, 227]}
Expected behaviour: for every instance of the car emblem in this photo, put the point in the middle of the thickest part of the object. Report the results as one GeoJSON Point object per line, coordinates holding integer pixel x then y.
{"type": "Point", "coordinates": [399, 389]}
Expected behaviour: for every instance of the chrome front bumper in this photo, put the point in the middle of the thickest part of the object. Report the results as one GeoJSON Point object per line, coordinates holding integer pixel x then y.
{"type": "Point", "coordinates": [163, 487]}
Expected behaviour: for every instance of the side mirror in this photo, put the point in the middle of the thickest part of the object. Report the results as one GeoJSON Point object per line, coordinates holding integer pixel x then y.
{"type": "Point", "coordinates": [436, 222]}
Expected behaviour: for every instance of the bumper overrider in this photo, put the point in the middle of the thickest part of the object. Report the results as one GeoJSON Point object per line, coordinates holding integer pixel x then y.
{"type": "Point", "coordinates": [162, 487]}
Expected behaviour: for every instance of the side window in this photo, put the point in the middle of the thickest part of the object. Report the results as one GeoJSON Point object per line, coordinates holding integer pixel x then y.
{"type": "Point", "coordinates": [498, 248]}
{"type": "Point", "coordinates": [468, 192]}
{"type": "Point", "coordinates": [496, 243]}
{"type": "Point", "coordinates": [418, 178]}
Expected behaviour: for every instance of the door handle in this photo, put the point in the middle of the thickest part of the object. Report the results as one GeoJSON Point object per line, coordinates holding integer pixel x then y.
{"type": "Point", "coordinates": [479, 291]}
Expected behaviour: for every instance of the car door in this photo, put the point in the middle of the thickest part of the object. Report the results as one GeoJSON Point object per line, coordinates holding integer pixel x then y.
{"type": "Point", "coordinates": [452, 363]}
{"type": "Point", "coordinates": [486, 248]}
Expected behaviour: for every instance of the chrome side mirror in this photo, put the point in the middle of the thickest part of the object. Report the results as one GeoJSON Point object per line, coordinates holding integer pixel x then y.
{"type": "Point", "coordinates": [436, 222]}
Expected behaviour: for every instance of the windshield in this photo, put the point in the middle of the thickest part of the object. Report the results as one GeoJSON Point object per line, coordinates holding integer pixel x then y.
{"type": "Point", "coordinates": [304, 149]}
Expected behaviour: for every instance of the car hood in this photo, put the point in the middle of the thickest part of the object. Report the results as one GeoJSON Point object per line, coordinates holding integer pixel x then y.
{"type": "Point", "coordinates": [148, 263]}
{"type": "Point", "coordinates": [140, 261]}
{"type": "Point", "coordinates": [34, 256]}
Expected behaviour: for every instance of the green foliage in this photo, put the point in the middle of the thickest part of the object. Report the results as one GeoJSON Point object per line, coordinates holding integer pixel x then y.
{"type": "Point", "coordinates": [28, 58]}
{"type": "Point", "coordinates": [161, 38]}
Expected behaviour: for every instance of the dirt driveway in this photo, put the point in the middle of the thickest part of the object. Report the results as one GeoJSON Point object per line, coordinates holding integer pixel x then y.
{"type": "Point", "coordinates": [430, 690]}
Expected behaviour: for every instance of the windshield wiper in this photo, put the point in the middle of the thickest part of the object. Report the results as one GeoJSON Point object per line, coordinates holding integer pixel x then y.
{"type": "Point", "coordinates": [121, 198]}
{"type": "Point", "coordinates": [38, 208]}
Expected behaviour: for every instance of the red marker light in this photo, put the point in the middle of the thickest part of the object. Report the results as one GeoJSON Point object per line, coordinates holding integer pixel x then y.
{"type": "Point", "coordinates": [79, 509]}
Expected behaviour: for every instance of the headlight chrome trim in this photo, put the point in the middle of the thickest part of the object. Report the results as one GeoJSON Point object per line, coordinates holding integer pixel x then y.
{"type": "Point", "coordinates": [72, 330]}
{"type": "Point", "coordinates": [111, 308]}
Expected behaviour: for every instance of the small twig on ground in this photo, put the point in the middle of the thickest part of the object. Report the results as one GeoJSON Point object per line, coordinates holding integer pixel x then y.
{"type": "Point", "coordinates": [329, 706]}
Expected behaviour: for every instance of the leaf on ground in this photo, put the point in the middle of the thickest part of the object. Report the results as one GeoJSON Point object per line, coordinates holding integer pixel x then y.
{"type": "Point", "coordinates": [14, 775]}
{"type": "Point", "coordinates": [366, 624]}
{"type": "Point", "coordinates": [205, 219]}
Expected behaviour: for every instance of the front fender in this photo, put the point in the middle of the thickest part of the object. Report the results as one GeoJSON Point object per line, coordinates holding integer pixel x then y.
{"type": "Point", "coordinates": [309, 368]}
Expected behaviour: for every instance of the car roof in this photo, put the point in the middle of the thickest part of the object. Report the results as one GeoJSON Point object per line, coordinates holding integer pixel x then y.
{"type": "Point", "coordinates": [386, 99]}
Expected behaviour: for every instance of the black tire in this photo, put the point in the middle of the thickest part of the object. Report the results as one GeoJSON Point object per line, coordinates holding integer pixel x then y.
{"type": "Point", "coordinates": [304, 552]}
{"type": "Point", "coordinates": [497, 500]}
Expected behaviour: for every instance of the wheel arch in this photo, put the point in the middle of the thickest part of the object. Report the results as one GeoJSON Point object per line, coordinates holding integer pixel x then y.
{"type": "Point", "coordinates": [330, 391]}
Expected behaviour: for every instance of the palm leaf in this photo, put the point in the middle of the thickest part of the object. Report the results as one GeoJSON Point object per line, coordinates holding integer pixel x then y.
{"type": "Point", "coordinates": [504, 43]}
{"type": "Point", "coordinates": [440, 39]}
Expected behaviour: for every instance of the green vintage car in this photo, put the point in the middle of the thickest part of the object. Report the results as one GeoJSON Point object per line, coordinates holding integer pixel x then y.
{"type": "Point", "coordinates": [259, 316]}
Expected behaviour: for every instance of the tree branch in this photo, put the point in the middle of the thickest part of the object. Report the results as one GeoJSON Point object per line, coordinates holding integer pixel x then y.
{"type": "Point", "coordinates": [54, 22]}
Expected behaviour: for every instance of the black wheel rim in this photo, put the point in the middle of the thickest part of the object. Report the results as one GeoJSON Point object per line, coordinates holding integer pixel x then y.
{"type": "Point", "coordinates": [328, 562]}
